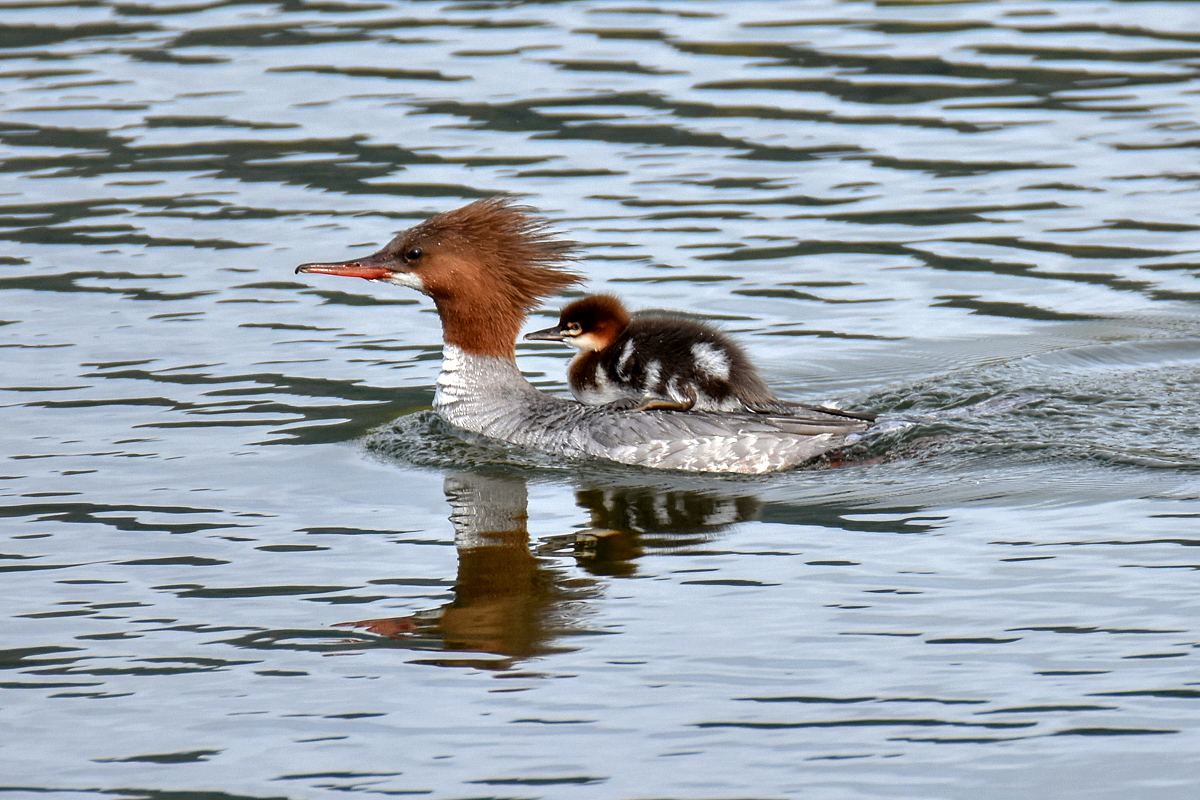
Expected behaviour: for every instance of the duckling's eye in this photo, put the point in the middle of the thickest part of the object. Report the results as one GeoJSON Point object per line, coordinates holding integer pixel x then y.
{"type": "Point", "coordinates": [413, 254]}
{"type": "Point", "coordinates": [574, 328]}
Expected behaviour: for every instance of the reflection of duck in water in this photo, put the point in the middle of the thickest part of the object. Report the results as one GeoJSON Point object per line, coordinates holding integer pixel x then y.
{"type": "Point", "coordinates": [628, 520]}
{"type": "Point", "coordinates": [510, 602]}
{"type": "Point", "coordinates": [506, 601]}
{"type": "Point", "coordinates": [485, 266]}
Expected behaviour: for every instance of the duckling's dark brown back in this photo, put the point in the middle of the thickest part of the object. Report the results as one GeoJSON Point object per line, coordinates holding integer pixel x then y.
{"type": "Point", "coordinates": [675, 356]}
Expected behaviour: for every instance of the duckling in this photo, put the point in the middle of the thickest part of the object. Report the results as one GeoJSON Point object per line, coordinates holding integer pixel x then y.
{"type": "Point", "coordinates": [655, 362]}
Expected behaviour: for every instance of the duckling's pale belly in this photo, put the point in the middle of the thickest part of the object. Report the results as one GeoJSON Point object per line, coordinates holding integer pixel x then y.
{"type": "Point", "coordinates": [597, 390]}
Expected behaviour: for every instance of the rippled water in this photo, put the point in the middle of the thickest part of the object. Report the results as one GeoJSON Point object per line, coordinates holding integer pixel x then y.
{"type": "Point", "coordinates": [228, 568]}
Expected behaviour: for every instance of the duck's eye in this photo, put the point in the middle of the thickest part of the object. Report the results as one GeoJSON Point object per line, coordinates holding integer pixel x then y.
{"type": "Point", "coordinates": [574, 328]}
{"type": "Point", "coordinates": [413, 254]}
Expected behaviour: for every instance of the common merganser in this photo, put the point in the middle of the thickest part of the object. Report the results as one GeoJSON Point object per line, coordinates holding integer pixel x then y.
{"type": "Point", "coordinates": [656, 361]}
{"type": "Point", "coordinates": [486, 265]}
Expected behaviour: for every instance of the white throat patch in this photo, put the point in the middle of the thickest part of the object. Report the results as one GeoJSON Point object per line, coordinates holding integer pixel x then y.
{"type": "Point", "coordinates": [409, 280]}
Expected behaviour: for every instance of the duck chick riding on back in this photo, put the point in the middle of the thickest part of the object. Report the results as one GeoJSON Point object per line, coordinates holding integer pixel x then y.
{"type": "Point", "coordinates": [656, 361]}
{"type": "Point", "coordinates": [486, 265]}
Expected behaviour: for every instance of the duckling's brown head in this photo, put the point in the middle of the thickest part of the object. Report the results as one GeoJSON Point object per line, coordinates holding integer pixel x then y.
{"type": "Point", "coordinates": [592, 323]}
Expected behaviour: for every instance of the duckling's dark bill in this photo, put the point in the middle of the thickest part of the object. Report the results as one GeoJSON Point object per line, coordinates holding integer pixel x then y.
{"type": "Point", "coordinates": [554, 334]}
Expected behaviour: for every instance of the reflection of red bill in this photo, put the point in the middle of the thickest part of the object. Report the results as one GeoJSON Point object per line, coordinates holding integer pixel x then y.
{"type": "Point", "coordinates": [391, 626]}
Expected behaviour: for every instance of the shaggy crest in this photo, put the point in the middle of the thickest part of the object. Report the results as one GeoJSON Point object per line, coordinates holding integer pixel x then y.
{"type": "Point", "coordinates": [521, 255]}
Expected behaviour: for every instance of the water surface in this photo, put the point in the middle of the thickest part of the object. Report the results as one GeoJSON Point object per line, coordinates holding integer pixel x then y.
{"type": "Point", "coordinates": [243, 559]}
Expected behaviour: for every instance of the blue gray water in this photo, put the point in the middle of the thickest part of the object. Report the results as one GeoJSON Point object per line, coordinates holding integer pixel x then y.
{"type": "Point", "coordinates": [242, 559]}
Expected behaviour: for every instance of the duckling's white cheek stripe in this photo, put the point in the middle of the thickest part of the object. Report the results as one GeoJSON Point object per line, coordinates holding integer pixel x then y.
{"type": "Point", "coordinates": [711, 360]}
